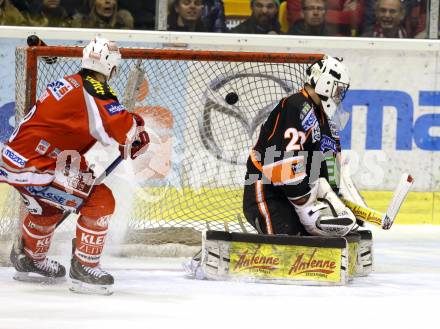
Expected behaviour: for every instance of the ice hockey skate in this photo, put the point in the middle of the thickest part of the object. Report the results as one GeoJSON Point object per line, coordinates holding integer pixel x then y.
{"type": "Point", "coordinates": [90, 280]}
{"type": "Point", "coordinates": [39, 271]}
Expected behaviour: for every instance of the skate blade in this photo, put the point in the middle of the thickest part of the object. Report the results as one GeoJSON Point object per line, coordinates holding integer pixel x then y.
{"type": "Point", "coordinates": [79, 287]}
{"type": "Point", "coordinates": [36, 278]}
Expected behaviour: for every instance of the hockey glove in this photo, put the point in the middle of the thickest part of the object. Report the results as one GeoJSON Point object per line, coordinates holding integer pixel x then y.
{"type": "Point", "coordinates": [324, 214]}
{"type": "Point", "coordinates": [140, 143]}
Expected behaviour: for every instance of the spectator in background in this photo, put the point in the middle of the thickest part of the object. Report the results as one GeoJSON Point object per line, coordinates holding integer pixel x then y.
{"type": "Point", "coordinates": [264, 18]}
{"type": "Point", "coordinates": [186, 15]}
{"type": "Point", "coordinates": [424, 33]}
{"type": "Point", "coordinates": [74, 7]}
{"type": "Point", "coordinates": [343, 18]}
{"type": "Point", "coordinates": [143, 12]}
{"type": "Point", "coordinates": [50, 13]}
{"type": "Point", "coordinates": [414, 21]}
{"type": "Point", "coordinates": [10, 15]}
{"type": "Point", "coordinates": [104, 14]}
{"type": "Point", "coordinates": [26, 7]}
{"type": "Point", "coordinates": [389, 17]}
{"type": "Point", "coordinates": [213, 16]}
{"type": "Point", "coordinates": [415, 18]}
{"type": "Point", "coordinates": [313, 22]}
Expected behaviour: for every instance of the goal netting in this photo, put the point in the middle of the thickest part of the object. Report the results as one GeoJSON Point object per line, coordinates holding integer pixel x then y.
{"type": "Point", "coordinates": [203, 110]}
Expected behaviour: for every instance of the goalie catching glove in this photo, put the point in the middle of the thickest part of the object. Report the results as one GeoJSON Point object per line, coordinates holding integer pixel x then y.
{"type": "Point", "coordinates": [324, 214]}
{"type": "Point", "coordinates": [139, 144]}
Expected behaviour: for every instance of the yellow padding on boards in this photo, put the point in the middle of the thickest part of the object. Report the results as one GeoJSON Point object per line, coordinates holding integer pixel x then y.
{"type": "Point", "coordinates": [216, 203]}
{"type": "Point", "coordinates": [418, 208]}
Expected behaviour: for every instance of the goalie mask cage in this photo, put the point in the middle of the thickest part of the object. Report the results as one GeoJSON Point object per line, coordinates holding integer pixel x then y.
{"type": "Point", "coordinates": [203, 110]}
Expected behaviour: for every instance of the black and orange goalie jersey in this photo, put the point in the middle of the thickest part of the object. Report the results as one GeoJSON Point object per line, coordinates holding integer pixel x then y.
{"type": "Point", "coordinates": [296, 145]}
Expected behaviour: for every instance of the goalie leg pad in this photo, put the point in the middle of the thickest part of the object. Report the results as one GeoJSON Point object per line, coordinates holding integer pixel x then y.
{"type": "Point", "coordinates": [274, 259]}
{"type": "Point", "coordinates": [364, 264]}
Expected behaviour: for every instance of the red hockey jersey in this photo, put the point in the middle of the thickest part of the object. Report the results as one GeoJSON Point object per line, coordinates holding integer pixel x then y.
{"type": "Point", "coordinates": [72, 114]}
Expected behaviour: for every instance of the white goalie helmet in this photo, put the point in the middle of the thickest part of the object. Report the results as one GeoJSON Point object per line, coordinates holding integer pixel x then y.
{"type": "Point", "coordinates": [101, 55]}
{"type": "Point", "coordinates": [331, 80]}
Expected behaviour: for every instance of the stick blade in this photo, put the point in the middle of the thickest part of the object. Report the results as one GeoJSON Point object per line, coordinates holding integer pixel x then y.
{"type": "Point", "coordinates": [399, 196]}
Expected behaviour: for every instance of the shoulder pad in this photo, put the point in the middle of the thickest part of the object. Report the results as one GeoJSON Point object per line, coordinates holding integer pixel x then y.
{"type": "Point", "coordinates": [98, 89]}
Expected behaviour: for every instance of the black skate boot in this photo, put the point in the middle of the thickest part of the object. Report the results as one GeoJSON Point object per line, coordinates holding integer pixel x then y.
{"type": "Point", "coordinates": [90, 280]}
{"type": "Point", "coordinates": [30, 270]}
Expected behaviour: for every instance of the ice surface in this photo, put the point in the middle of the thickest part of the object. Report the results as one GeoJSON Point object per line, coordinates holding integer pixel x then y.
{"type": "Point", "coordinates": [402, 292]}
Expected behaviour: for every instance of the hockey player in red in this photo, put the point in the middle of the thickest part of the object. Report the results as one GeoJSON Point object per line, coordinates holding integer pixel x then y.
{"type": "Point", "coordinates": [44, 160]}
{"type": "Point", "coordinates": [294, 162]}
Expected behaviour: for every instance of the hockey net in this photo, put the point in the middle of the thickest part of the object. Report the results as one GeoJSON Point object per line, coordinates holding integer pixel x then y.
{"type": "Point", "coordinates": [203, 110]}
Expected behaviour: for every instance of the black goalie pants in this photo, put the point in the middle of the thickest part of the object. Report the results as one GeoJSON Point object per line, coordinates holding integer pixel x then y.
{"type": "Point", "coordinates": [268, 210]}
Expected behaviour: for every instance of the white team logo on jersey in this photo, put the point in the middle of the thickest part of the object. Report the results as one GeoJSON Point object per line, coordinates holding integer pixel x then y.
{"type": "Point", "coordinates": [59, 88]}
{"type": "Point", "coordinates": [42, 147]}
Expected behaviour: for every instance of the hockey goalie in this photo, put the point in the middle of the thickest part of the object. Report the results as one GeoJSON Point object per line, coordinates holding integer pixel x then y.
{"type": "Point", "coordinates": [291, 187]}
{"type": "Point", "coordinates": [44, 160]}
{"type": "Point", "coordinates": [291, 181]}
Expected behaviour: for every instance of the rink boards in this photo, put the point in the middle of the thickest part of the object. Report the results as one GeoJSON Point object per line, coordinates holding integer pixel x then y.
{"type": "Point", "coordinates": [419, 208]}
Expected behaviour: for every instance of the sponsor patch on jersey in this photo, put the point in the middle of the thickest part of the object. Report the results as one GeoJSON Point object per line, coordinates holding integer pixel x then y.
{"type": "Point", "coordinates": [42, 147]}
{"type": "Point", "coordinates": [98, 87]}
{"type": "Point", "coordinates": [14, 157]}
{"type": "Point", "coordinates": [55, 195]}
{"type": "Point", "coordinates": [328, 143]}
{"type": "Point", "coordinates": [3, 173]}
{"type": "Point", "coordinates": [43, 96]}
{"type": "Point", "coordinates": [114, 108]}
{"type": "Point", "coordinates": [333, 129]}
{"type": "Point", "coordinates": [298, 168]}
{"type": "Point", "coordinates": [59, 88]}
{"type": "Point", "coordinates": [54, 154]}
{"type": "Point", "coordinates": [306, 108]}
{"type": "Point", "coordinates": [74, 82]}
{"type": "Point", "coordinates": [309, 121]}
{"type": "Point", "coordinates": [316, 134]}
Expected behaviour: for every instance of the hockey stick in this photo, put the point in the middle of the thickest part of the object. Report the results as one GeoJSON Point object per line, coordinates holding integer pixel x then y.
{"type": "Point", "coordinates": [385, 220]}
{"type": "Point", "coordinates": [98, 181]}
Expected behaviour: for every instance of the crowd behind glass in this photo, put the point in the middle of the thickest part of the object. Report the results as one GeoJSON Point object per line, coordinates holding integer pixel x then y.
{"type": "Point", "coordinates": [368, 18]}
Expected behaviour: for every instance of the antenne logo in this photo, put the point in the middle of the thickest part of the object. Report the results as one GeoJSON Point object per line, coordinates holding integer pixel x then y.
{"type": "Point", "coordinates": [256, 261]}
{"type": "Point", "coordinates": [254, 104]}
{"type": "Point", "coordinates": [313, 266]}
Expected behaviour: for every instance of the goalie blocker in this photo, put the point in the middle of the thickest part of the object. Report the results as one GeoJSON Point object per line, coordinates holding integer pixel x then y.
{"type": "Point", "coordinates": [283, 259]}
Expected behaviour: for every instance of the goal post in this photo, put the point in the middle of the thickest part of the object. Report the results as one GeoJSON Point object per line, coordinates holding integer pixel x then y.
{"type": "Point", "coordinates": [203, 110]}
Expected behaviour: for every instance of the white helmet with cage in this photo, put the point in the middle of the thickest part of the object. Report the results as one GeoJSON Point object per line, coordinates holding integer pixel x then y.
{"type": "Point", "coordinates": [330, 79]}
{"type": "Point", "coordinates": [101, 55]}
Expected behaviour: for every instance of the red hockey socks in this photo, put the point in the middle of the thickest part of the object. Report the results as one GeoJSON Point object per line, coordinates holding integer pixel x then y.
{"type": "Point", "coordinates": [37, 233]}
{"type": "Point", "coordinates": [90, 239]}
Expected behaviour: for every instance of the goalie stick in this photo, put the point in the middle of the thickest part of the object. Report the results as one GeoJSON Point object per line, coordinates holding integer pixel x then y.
{"type": "Point", "coordinates": [385, 220]}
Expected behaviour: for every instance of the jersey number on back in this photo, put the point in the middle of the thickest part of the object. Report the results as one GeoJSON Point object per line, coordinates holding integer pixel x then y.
{"type": "Point", "coordinates": [295, 136]}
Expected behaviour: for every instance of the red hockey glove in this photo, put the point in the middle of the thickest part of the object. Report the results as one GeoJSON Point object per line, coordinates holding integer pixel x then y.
{"type": "Point", "coordinates": [139, 121]}
{"type": "Point", "coordinates": [140, 142]}
{"type": "Point", "coordinates": [140, 145]}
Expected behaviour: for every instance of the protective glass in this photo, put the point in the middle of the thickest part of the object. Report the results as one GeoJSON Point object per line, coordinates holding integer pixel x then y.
{"type": "Point", "coordinates": [341, 117]}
